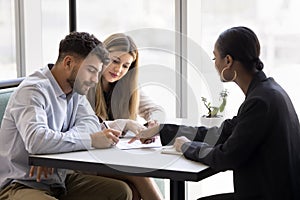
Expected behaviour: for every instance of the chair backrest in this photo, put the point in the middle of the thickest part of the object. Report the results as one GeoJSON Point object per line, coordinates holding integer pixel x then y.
{"type": "Point", "coordinates": [10, 83]}
{"type": "Point", "coordinates": [6, 89]}
{"type": "Point", "coordinates": [4, 97]}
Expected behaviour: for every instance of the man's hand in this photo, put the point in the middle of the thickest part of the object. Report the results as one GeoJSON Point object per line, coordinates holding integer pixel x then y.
{"type": "Point", "coordinates": [179, 142]}
{"type": "Point", "coordinates": [146, 135]}
{"type": "Point", "coordinates": [40, 171]}
{"type": "Point", "coordinates": [105, 138]}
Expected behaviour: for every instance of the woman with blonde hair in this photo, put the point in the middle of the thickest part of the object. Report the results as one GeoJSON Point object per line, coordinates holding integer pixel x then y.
{"type": "Point", "coordinates": [117, 95]}
{"type": "Point", "coordinates": [118, 100]}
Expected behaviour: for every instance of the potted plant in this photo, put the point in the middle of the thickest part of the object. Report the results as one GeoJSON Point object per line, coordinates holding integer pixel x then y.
{"type": "Point", "coordinates": [213, 118]}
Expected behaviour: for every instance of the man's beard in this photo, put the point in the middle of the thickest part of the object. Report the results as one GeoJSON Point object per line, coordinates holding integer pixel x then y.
{"type": "Point", "coordinates": [77, 85]}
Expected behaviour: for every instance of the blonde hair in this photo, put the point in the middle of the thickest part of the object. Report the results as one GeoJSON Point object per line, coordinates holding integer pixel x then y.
{"type": "Point", "coordinates": [124, 100]}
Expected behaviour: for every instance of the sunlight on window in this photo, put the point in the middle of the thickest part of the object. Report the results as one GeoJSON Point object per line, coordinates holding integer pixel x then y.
{"type": "Point", "coordinates": [7, 45]}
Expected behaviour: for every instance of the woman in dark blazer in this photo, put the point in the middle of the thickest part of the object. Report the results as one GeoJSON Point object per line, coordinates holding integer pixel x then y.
{"type": "Point", "coordinates": [262, 143]}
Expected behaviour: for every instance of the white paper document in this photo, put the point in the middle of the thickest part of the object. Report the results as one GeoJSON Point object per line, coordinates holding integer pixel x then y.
{"type": "Point", "coordinates": [123, 144]}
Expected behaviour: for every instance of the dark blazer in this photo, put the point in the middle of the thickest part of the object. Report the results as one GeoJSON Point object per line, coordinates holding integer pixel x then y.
{"type": "Point", "coordinates": [261, 144]}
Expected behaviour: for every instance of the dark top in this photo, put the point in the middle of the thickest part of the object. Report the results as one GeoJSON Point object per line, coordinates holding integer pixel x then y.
{"type": "Point", "coordinates": [261, 144]}
{"type": "Point", "coordinates": [107, 98]}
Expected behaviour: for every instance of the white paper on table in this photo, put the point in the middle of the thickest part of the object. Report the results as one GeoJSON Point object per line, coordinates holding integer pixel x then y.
{"type": "Point", "coordinates": [123, 144]}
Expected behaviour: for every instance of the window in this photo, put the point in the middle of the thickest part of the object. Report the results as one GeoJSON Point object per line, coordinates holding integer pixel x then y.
{"type": "Point", "coordinates": [274, 22]}
{"type": "Point", "coordinates": [54, 27]}
{"type": "Point", "coordinates": [7, 45]}
{"type": "Point", "coordinates": [30, 32]}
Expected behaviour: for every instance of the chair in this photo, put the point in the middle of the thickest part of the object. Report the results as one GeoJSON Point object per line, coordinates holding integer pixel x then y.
{"type": "Point", "coordinates": [6, 89]}
{"type": "Point", "coordinates": [4, 97]}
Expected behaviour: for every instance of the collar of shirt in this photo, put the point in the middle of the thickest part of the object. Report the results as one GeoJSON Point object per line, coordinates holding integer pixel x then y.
{"type": "Point", "coordinates": [57, 88]}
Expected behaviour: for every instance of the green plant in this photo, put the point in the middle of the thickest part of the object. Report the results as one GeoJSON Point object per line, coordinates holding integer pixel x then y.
{"type": "Point", "coordinates": [213, 110]}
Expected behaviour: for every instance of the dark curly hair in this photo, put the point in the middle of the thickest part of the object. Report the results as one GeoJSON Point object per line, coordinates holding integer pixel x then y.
{"type": "Point", "coordinates": [81, 44]}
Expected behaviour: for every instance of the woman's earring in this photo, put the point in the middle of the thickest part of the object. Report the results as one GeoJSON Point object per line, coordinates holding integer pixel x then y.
{"type": "Point", "coordinates": [224, 79]}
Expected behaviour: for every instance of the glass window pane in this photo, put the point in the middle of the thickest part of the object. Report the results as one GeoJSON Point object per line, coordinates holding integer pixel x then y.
{"type": "Point", "coordinates": [275, 26]}
{"type": "Point", "coordinates": [106, 17]}
{"type": "Point", "coordinates": [46, 22]}
{"type": "Point", "coordinates": [7, 46]}
{"type": "Point", "coordinates": [55, 26]}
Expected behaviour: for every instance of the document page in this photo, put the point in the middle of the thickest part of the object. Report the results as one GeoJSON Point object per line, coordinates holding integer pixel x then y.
{"type": "Point", "coordinates": [123, 144]}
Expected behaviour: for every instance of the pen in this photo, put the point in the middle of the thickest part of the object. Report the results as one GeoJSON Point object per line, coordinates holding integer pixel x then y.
{"type": "Point", "coordinates": [107, 127]}
{"type": "Point", "coordinates": [105, 124]}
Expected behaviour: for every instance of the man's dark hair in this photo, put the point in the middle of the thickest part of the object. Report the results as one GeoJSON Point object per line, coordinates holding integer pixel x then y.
{"type": "Point", "coordinates": [81, 44]}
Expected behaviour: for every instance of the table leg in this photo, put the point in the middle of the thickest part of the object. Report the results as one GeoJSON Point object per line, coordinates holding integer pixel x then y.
{"type": "Point", "coordinates": [177, 190]}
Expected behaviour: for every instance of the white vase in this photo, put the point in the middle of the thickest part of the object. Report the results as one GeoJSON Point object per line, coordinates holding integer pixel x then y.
{"type": "Point", "coordinates": [211, 121]}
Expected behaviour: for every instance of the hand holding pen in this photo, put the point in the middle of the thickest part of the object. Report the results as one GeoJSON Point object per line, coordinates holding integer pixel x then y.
{"type": "Point", "coordinates": [112, 134]}
{"type": "Point", "coordinates": [105, 138]}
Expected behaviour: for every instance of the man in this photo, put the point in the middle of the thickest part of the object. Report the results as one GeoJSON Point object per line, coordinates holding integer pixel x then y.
{"type": "Point", "coordinates": [48, 113]}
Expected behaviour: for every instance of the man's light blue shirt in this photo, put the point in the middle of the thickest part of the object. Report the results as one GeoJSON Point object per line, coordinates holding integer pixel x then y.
{"type": "Point", "coordinates": [39, 119]}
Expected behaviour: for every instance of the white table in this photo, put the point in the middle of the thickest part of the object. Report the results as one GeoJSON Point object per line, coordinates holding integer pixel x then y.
{"type": "Point", "coordinates": [138, 162]}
